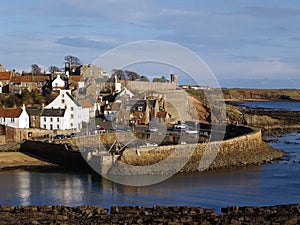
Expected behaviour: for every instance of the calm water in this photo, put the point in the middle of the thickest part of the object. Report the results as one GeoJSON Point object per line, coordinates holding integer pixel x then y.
{"type": "Point", "coordinates": [257, 185]}
{"type": "Point", "coordinates": [293, 106]}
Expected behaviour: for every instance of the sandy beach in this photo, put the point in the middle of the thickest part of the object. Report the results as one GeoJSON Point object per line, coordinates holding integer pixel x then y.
{"type": "Point", "coordinates": [18, 160]}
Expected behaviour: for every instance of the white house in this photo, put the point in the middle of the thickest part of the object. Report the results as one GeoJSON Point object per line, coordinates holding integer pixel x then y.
{"type": "Point", "coordinates": [58, 83]}
{"type": "Point", "coordinates": [16, 118]}
{"type": "Point", "coordinates": [76, 114]}
{"type": "Point", "coordinates": [54, 119]}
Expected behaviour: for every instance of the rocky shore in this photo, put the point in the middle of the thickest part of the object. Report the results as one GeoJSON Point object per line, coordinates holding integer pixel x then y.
{"type": "Point", "coordinates": [281, 214]}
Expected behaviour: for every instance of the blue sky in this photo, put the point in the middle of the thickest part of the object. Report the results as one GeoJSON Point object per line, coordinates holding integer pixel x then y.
{"type": "Point", "coordinates": [252, 43]}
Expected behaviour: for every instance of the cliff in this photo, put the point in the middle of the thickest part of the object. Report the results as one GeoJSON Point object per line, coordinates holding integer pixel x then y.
{"type": "Point", "coordinates": [239, 94]}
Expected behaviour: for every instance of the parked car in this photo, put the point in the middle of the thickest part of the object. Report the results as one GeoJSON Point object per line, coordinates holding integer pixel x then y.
{"type": "Point", "coordinates": [60, 136]}
{"type": "Point", "coordinates": [73, 135]}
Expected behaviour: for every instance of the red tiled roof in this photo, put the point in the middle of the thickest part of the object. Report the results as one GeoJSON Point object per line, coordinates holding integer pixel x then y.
{"type": "Point", "coordinates": [4, 75]}
{"type": "Point", "coordinates": [15, 79]}
{"type": "Point", "coordinates": [34, 78]}
{"type": "Point", "coordinates": [161, 114]}
{"type": "Point", "coordinates": [75, 78]}
{"type": "Point", "coordinates": [10, 112]}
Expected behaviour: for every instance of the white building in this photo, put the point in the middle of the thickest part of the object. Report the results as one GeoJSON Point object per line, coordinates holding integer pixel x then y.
{"type": "Point", "coordinates": [54, 119]}
{"type": "Point", "coordinates": [16, 118]}
{"type": "Point", "coordinates": [58, 83]}
{"type": "Point", "coordinates": [75, 114]}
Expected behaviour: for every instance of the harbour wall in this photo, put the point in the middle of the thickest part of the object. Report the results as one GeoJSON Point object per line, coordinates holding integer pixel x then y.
{"type": "Point", "coordinates": [242, 150]}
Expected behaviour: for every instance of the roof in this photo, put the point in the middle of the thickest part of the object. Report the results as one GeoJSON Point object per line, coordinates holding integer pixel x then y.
{"type": "Point", "coordinates": [53, 112]}
{"type": "Point", "coordinates": [75, 78]}
{"type": "Point", "coordinates": [15, 79]}
{"type": "Point", "coordinates": [34, 78]}
{"type": "Point", "coordinates": [34, 112]}
{"type": "Point", "coordinates": [134, 104]}
{"type": "Point", "coordinates": [10, 112]}
{"type": "Point", "coordinates": [4, 75]}
{"type": "Point", "coordinates": [115, 106]}
{"type": "Point", "coordinates": [161, 114]}
{"type": "Point", "coordinates": [73, 99]}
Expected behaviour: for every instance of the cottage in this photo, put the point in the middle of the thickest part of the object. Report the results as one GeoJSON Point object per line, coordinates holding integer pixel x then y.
{"type": "Point", "coordinates": [76, 114]}
{"type": "Point", "coordinates": [142, 110]}
{"type": "Point", "coordinates": [54, 119]}
{"type": "Point", "coordinates": [13, 117]}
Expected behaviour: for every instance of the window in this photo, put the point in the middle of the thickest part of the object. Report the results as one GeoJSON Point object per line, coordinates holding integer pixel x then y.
{"type": "Point", "coordinates": [57, 119]}
{"type": "Point", "coordinates": [44, 126]}
{"type": "Point", "coordinates": [63, 95]}
{"type": "Point", "coordinates": [141, 115]}
{"type": "Point", "coordinates": [72, 108]}
{"type": "Point", "coordinates": [72, 116]}
{"type": "Point", "coordinates": [51, 127]}
{"type": "Point", "coordinates": [140, 108]}
{"type": "Point", "coordinates": [44, 119]}
{"type": "Point", "coordinates": [51, 119]}
{"type": "Point", "coordinates": [57, 126]}
{"type": "Point", "coordinates": [71, 124]}
{"type": "Point", "coordinates": [62, 101]}
{"type": "Point", "coordinates": [12, 120]}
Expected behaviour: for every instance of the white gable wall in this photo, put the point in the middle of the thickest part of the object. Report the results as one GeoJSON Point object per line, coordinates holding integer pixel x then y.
{"type": "Point", "coordinates": [74, 113]}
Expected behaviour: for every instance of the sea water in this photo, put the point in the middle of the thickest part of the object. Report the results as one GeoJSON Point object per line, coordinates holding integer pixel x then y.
{"type": "Point", "coordinates": [269, 184]}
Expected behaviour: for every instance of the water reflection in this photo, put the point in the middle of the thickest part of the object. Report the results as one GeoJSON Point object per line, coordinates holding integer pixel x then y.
{"type": "Point", "coordinates": [267, 185]}
{"type": "Point", "coordinates": [24, 190]}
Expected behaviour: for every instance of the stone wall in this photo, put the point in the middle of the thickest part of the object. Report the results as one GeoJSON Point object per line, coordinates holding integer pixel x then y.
{"type": "Point", "coordinates": [243, 150]}
{"type": "Point", "coordinates": [142, 86]}
{"type": "Point", "coordinates": [281, 214]}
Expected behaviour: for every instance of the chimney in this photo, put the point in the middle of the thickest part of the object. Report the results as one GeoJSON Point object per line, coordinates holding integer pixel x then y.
{"type": "Point", "coordinates": [23, 107]}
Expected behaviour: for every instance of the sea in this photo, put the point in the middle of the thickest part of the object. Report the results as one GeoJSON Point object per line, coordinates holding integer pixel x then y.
{"type": "Point", "coordinates": [269, 184]}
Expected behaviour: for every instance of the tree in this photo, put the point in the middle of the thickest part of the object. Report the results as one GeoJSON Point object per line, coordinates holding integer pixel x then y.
{"type": "Point", "coordinates": [125, 75]}
{"type": "Point", "coordinates": [53, 69]}
{"type": "Point", "coordinates": [119, 73]}
{"type": "Point", "coordinates": [73, 60]}
{"type": "Point", "coordinates": [35, 69]}
{"type": "Point", "coordinates": [163, 79]}
{"type": "Point", "coordinates": [132, 75]}
{"type": "Point", "coordinates": [144, 78]}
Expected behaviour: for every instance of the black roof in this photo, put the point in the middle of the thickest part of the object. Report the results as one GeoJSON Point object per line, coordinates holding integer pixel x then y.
{"type": "Point", "coordinates": [53, 112]}
{"type": "Point", "coordinates": [134, 104]}
{"type": "Point", "coordinates": [34, 112]}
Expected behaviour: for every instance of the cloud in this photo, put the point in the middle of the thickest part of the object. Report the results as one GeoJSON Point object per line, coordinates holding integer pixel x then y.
{"type": "Point", "coordinates": [80, 42]}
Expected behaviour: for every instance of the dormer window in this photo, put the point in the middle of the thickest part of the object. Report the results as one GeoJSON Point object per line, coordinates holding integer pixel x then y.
{"type": "Point", "coordinates": [140, 108]}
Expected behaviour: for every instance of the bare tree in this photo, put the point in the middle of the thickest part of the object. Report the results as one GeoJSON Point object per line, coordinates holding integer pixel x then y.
{"type": "Point", "coordinates": [35, 69]}
{"type": "Point", "coordinates": [53, 69]}
{"type": "Point", "coordinates": [73, 60]}
{"type": "Point", "coordinates": [132, 75]}
{"type": "Point", "coordinates": [119, 73]}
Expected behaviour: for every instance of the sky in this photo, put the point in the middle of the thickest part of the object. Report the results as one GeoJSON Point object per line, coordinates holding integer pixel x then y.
{"type": "Point", "coordinates": [245, 43]}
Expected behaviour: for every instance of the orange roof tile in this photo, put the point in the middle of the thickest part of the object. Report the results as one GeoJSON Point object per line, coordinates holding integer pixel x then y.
{"type": "Point", "coordinates": [4, 75]}
{"type": "Point", "coordinates": [75, 78]}
{"type": "Point", "coordinates": [34, 78]}
{"type": "Point", "coordinates": [15, 79]}
{"type": "Point", "coordinates": [10, 112]}
{"type": "Point", "coordinates": [161, 114]}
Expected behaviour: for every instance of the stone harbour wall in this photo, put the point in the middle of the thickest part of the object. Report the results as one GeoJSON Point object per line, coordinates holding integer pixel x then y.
{"type": "Point", "coordinates": [244, 150]}
{"type": "Point", "coordinates": [248, 215]}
